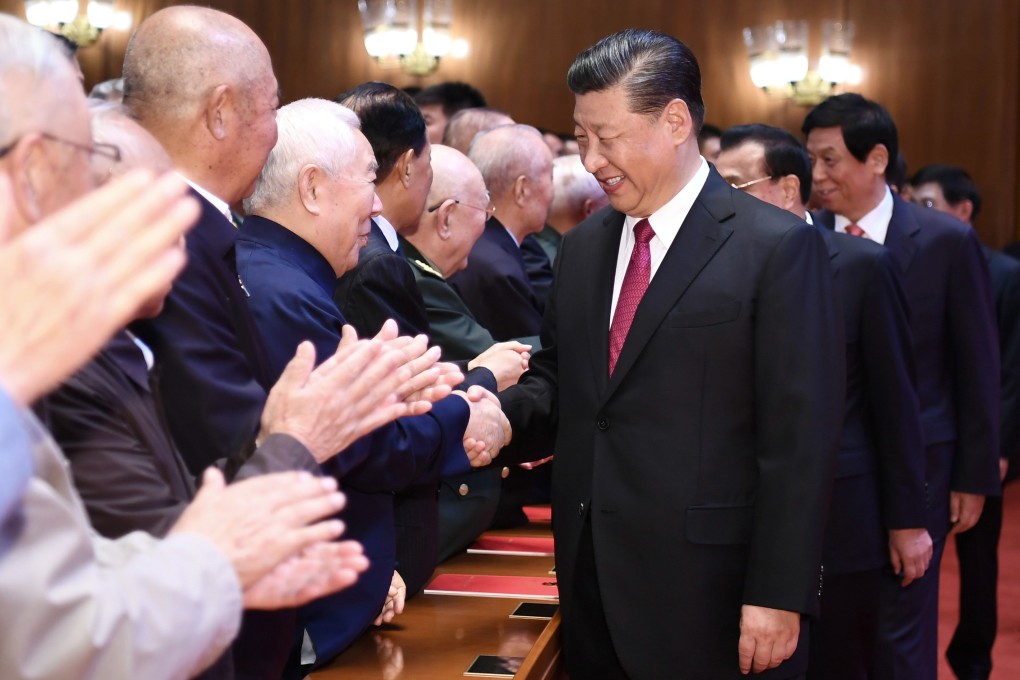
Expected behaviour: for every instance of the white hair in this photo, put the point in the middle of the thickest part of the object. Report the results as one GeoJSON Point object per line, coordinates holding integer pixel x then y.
{"type": "Point", "coordinates": [311, 132]}
{"type": "Point", "coordinates": [506, 152]}
{"type": "Point", "coordinates": [32, 56]}
{"type": "Point", "coordinates": [573, 185]}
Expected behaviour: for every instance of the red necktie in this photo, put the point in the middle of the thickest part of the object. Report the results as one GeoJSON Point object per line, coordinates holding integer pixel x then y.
{"type": "Point", "coordinates": [635, 283]}
{"type": "Point", "coordinates": [855, 230]}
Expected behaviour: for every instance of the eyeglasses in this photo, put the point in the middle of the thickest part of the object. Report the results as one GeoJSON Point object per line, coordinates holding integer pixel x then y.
{"type": "Point", "coordinates": [110, 151]}
{"type": "Point", "coordinates": [489, 209]}
{"type": "Point", "coordinates": [751, 183]}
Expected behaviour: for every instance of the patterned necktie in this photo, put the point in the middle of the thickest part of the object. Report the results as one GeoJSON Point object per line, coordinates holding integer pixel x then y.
{"type": "Point", "coordinates": [635, 283]}
{"type": "Point", "coordinates": [855, 230]}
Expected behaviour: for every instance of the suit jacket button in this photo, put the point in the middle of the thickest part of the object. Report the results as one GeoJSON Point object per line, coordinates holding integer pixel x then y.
{"type": "Point", "coordinates": [602, 424]}
{"type": "Point", "coordinates": [580, 510]}
{"type": "Point", "coordinates": [504, 473]}
{"type": "Point", "coordinates": [463, 489]}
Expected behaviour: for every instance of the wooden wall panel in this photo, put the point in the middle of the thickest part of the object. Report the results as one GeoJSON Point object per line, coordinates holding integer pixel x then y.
{"type": "Point", "coordinates": [949, 72]}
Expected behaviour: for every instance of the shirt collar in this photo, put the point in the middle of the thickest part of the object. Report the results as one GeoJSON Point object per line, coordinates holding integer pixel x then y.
{"type": "Point", "coordinates": [217, 202]}
{"type": "Point", "coordinates": [291, 247]}
{"type": "Point", "coordinates": [876, 223]}
{"type": "Point", "coordinates": [666, 220]}
{"type": "Point", "coordinates": [388, 232]}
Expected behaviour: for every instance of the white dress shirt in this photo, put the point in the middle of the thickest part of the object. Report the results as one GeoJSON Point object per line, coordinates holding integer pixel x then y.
{"type": "Point", "coordinates": [388, 231]}
{"type": "Point", "coordinates": [876, 223]}
{"type": "Point", "coordinates": [665, 222]}
{"type": "Point", "coordinates": [218, 202]}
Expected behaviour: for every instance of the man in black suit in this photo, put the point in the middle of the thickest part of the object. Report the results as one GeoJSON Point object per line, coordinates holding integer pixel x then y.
{"type": "Point", "coordinates": [517, 168]}
{"type": "Point", "coordinates": [877, 515]}
{"type": "Point", "coordinates": [951, 190]}
{"type": "Point", "coordinates": [695, 424]}
{"type": "Point", "coordinates": [852, 142]}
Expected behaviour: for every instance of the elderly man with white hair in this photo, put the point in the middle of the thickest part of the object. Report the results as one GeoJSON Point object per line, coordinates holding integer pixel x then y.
{"type": "Point", "coordinates": [576, 195]}
{"type": "Point", "coordinates": [308, 217]}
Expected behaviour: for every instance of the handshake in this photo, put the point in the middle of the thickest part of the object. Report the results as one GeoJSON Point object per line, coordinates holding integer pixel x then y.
{"type": "Point", "coordinates": [370, 382]}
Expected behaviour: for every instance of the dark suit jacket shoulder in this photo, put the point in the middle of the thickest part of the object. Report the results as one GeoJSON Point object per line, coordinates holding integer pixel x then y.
{"type": "Point", "coordinates": [381, 286]}
{"type": "Point", "coordinates": [496, 288]}
{"type": "Point", "coordinates": [214, 369]}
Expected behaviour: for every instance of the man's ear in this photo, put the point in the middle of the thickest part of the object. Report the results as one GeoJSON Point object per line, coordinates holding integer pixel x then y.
{"type": "Point", "coordinates": [443, 216]}
{"type": "Point", "coordinates": [218, 110]}
{"type": "Point", "coordinates": [26, 168]}
{"type": "Point", "coordinates": [677, 117]}
{"type": "Point", "coordinates": [521, 189]}
{"type": "Point", "coordinates": [310, 188]}
{"type": "Point", "coordinates": [964, 210]}
{"type": "Point", "coordinates": [789, 186]}
{"type": "Point", "coordinates": [404, 168]}
{"type": "Point", "coordinates": [878, 159]}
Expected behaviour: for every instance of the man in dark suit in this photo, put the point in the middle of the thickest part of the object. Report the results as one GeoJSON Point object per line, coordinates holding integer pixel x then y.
{"type": "Point", "coordinates": [852, 142]}
{"type": "Point", "coordinates": [951, 190]}
{"type": "Point", "coordinates": [877, 515]}
{"type": "Point", "coordinates": [695, 424]}
{"type": "Point", "coordinates": [517, 168]}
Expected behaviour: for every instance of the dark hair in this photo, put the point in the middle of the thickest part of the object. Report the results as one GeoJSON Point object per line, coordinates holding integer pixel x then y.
{"type": "Point", "coordinates": [653, 68]}
{"type": "Point", "coordinates": [955, 182]}
{"type": "Point", "coordinates": [784, 154]}
{"type": "Point", "coordinates": [896, 175]}
{"type": "Point", "coordinates": [709, 131]}
{"type": "Point", "coordinates": [864, 125]}
{"type": "Point", "coordinates": [389, 119]}
{"type": "Point", "coordinates": [451, 96]}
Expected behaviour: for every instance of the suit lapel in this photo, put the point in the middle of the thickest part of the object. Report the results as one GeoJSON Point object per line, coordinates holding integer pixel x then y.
{"type": "Point", "coordinates": [900, 237]}
{"type": "Point", "coordinates": [605, 248]}
{"type": "Point", "coordinates": [699, 238]}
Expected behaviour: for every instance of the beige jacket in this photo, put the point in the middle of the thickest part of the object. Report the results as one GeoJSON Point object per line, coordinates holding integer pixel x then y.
{"type": "Point", "coordinates": [75, 605]}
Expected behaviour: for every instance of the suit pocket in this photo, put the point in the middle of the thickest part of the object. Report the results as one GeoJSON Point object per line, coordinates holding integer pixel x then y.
{"type": "Point", "coordinates": [705, 317]}
{"type": "Point", "coordinates": [719, 524]}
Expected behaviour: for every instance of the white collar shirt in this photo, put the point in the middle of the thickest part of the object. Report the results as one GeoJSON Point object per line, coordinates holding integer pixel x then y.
{"type": "Point", "coordinates": [876, 223]}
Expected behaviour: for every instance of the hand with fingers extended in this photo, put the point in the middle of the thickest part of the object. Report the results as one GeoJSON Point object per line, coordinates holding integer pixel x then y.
{"type": "Point", "coordinates": [488, 430]}
{"type": "Point", "coordinates": [507, 361]}
{"type": "Point", "coordinates": [317, 571]}
{"type": "Point", "coordinates": [768, 637]}
{"type": "Point", "coordinates": [74, 278]}
{"type": "Point", "coordinates": [261, 522]}
{"type": "Point", "coordinates": [431, 379]}
{"type": "Point", "coordinates": [350, 394]}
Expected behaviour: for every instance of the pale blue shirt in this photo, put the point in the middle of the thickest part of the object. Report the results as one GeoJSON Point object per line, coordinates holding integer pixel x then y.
{"type": "Point", "coordinates": [15, 460]}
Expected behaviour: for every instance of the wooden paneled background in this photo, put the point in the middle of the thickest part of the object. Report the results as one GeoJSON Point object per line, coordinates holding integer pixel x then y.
{"type": "Point", "coordinates": [948, 71]}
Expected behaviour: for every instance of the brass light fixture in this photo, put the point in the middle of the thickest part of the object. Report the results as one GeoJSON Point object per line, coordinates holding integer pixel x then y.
{"type": "Point", "coordinates": [779, 60]}
{"type": "Point", "coordinates": [83, 25]}
{"type": "Point", "coordinates": [392, 38]}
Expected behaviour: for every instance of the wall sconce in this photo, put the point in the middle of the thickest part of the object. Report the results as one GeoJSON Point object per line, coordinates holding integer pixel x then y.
{"type": "Point", "coordinates": [65, 17]}
{"type": "Point", "coordinates": [391, 34]}
{"type": "Point", "coordinates": [779, 61]}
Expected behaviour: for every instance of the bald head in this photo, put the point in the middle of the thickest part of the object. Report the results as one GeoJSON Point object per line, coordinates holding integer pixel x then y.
{"type": "Point", "coordinates": [179, 53]}
{"type": "Point", "coordinates": [456, 216]}
{"type": "Point", "coordinates": [576, 193]}
{"type": "Point", "coordinates": [467, 123]}
{"type": "Point", "coordinates": [202, 83]}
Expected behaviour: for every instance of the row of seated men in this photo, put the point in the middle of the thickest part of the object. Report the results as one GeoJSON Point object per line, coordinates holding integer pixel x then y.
{"type": "Point", "coordinates": [347, 226]}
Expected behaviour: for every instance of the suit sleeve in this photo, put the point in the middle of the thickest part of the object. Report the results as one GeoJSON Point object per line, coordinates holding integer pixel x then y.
{"type": "Point", "coordinates": [799, 389]}
{"type": "Point", "coordinates": [119, 479]}
{"type": "Point", "coordinates": [81, 606]}
{"type": "Point", "coordinates": [1009, 344]}
{"type": "Point", "coordinates": [887, 359]}
{"type": "Point", "coordinates": [975, 344]}
{"type": "Point", "coordinates": [213, 401]}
